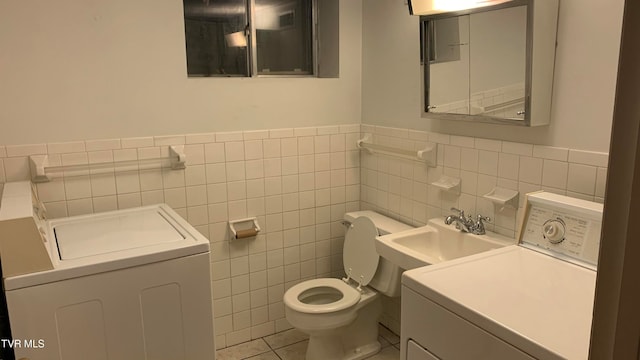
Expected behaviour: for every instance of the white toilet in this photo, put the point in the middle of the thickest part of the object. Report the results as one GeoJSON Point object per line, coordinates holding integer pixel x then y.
{"type": "Point", "coordinates": [341, 316]}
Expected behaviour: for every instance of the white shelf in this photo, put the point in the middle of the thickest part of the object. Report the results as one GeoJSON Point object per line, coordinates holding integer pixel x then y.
{"type": "Point", "coordinates": [503, 197]}
{"type": "Point", "coordinates": [448, 183]}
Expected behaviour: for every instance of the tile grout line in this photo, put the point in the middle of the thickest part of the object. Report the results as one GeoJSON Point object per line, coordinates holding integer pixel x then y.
{"type": "Point", "coordinates": [262, 353]}
{"type": "Point", "coordinates": [269, 345]}
{"type": "Point", "coordinates": [272, 349]}
{"type": "Point", "coordinates": [293, 343]}
{"type": "Point", "coordinates": [282, 347]}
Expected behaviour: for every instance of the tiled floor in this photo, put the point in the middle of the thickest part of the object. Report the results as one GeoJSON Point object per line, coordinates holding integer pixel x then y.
{"type": "Point", "coordinates": [292, 345]}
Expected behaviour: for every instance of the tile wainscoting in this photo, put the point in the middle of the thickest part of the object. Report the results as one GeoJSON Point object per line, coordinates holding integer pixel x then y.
{"type": "Point", "coordinates": [299, 183]}
{"type": "Point", "coordinates": [402, 189]}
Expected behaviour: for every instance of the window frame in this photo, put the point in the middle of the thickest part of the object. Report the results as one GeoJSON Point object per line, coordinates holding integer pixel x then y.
{"type": "Point", "coordinates": [252, 48]}
{"type": "Point", "coordinates": [253, 40]}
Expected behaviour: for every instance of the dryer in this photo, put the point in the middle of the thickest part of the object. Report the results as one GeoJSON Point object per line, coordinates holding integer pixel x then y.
{"type": "Point", "coordinates": [533, 300]}
{"type": "Point", "coordinates": [127, 284]}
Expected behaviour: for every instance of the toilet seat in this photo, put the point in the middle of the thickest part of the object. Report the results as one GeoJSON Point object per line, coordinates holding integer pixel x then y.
{"type": "Point", "coordinates": [350, 296]}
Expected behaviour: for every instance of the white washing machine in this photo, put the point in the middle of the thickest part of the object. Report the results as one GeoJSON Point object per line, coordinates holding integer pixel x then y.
{"type": "Point", "coordinates": [533, 300]}
{"type": "Point", "coordinates": [128, 284]}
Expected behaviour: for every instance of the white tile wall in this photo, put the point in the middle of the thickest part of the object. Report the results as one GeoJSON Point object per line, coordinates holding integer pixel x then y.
{"type": "Point", "coordinates": [402, 188]}
{"type": "Point", "coordinates": [296, 185]}
{"type": "Point", "coordinates": [299, 182]}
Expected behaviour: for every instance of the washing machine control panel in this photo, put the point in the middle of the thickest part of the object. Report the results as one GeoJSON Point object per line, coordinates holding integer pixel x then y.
{"type": "Point", "coordinates": [565, 227]}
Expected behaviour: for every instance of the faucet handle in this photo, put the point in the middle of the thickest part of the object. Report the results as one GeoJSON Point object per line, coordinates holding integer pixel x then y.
{"type": "Point", "coordinates": [460, 212]}
{"type": "Point", "coordinates": [479, 225]}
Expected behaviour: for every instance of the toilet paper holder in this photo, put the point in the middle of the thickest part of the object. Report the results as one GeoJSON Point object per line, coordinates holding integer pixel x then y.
{"type": "Point", "coordinates": [244, 228]}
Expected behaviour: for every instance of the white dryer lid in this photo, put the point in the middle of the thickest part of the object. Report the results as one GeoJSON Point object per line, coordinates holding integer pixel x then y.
{"type": "Point", "coordinates": [120, 231]}
{"type": "Point", "coordinates": [359, 253]}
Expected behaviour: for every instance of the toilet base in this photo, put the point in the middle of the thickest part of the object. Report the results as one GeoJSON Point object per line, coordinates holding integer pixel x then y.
{"type": "Point", "coordinates": [351, 342]}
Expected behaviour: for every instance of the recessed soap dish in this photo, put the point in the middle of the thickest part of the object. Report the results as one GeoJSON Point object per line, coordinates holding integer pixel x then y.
{"type": "Point", "coordinates": [448, 183]}
{"type": "Point", "coordinates": [503, 197]}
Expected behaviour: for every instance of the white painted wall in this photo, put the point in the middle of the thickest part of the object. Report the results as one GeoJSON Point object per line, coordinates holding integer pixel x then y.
{"type": "Point", "coordinates": [76, 70]}
{"type": "Point", "coordinates": [584, 86]}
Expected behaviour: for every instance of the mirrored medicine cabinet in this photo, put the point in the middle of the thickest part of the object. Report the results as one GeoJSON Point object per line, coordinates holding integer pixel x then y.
{"type": "Point", "coordinates": [492, 64]}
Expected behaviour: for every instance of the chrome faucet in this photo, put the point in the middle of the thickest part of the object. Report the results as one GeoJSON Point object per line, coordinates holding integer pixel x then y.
{"type": "Point", "coordinates": [462, 223]}
{"type": "Point", "coordinates": [467, 224]}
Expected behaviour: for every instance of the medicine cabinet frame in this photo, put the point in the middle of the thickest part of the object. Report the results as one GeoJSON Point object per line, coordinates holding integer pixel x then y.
{"type": "Point", "coordinates": [541, 32]}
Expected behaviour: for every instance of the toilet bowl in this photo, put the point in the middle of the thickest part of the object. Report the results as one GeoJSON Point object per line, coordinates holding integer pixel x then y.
{"type": "Point", "coordinates": [341, 315]}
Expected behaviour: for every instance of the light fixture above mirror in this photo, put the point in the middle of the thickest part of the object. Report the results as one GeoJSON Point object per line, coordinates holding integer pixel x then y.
{"type": "Point", "coordinates": [431, 7]}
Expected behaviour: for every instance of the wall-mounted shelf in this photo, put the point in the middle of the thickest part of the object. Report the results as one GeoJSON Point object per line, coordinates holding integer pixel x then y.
{"type": "Point", "coordinates": [42, 172]}
{"type": "Point", "coordinates": [503, 197]}
{"type": "Point", "coordinates": [448, 184]}
{"type": "Point", "coordinates": [428, 154]}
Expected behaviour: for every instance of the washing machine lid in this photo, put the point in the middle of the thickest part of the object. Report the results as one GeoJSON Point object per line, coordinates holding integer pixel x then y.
{"type": "Point", "coordinates": [97, 243]}
{"type": "Point", "coordinates": [359, 253]}
{"type": "Point", "coordinates": [114, 232]}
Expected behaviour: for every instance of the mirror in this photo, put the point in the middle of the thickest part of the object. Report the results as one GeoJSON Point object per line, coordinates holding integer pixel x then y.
{"type": "Point", "coordinates": [491, 64]}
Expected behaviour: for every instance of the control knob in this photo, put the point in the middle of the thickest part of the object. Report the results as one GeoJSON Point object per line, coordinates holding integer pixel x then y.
{"type": "Point", "coordinates": [553, 230]}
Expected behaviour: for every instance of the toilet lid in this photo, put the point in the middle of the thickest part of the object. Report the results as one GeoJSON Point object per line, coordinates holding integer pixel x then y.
{"type": "Point", "coordinates": [359, 254]}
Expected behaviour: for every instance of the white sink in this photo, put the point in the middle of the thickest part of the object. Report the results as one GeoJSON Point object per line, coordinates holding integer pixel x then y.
{"type": "Point", "coordinates": [434, 243]}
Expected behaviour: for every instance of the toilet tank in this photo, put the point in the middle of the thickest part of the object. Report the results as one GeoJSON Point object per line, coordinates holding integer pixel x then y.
{"type": "Point", "coordinates": [387, 279]}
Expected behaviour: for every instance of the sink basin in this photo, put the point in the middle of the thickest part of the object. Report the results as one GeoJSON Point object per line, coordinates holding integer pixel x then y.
{"type": "Point", "coordinates": [434, 243]}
